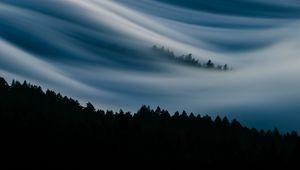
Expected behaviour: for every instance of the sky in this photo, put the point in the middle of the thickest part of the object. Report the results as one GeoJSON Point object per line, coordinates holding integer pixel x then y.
{"type": "Point", "coordinates": [100, 51]}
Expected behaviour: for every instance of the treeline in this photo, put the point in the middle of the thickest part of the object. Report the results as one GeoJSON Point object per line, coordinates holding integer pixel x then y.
{"type": "Point", "coordinates": [189, 60]}
{"type": "Point", "coordinates": [46, 130]}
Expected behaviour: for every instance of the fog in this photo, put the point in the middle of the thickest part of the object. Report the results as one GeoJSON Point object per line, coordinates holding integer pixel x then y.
{"type": "Point", "coordinates": [100, 51]}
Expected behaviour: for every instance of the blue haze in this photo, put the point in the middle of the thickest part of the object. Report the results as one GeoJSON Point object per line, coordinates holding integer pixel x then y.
{"type": "Point", "coordinates": [99, 51]}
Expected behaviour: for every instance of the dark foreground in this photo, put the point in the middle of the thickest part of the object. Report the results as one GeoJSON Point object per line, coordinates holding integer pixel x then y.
{"type": "Point", "coordinates": [46, 130]}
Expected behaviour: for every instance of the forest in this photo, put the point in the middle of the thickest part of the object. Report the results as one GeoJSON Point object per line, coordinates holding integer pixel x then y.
{"type": "Point", "coordinates": [44, 129]}
{"type": "Point", "coordinates": [189, 60]}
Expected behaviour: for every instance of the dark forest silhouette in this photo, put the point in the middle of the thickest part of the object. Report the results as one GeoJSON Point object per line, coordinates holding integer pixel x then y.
{"type": "Point", "coordinates": [45, 129]}
{"type": "Point", "coordinates": [189, 60]}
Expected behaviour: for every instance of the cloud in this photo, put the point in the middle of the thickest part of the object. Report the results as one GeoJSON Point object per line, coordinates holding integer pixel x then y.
{"type": "Point", "coordinates": [253, 8]}
{"type": "Point", "coordinates": [99, 51]}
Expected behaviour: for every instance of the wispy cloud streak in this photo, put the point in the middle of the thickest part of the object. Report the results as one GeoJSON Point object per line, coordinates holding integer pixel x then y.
{"type": "Point", "coordinates": [99, 51]}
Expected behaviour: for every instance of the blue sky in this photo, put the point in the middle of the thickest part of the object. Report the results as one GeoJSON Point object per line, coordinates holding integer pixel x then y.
{"type": "Point", "coordinates": [99, 51]}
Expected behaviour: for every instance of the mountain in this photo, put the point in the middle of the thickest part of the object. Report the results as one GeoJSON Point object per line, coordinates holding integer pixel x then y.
{"type": "Point", "coordinates": [43, 129]}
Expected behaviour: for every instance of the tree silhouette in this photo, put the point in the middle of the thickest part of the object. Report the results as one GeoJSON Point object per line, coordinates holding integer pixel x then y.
{"type": "Point", "coordinates": [89, 108]}
{"type": "Point", "coordinates": [225, 67]}
{"type": "Point", "coordinates": [209, 64]}
{"type": "Point", "coordinates": [188, 59]}
{"type": "Point", "coordinates": [47, 130]}
{"type": "Point", "coordinates": [3, 83]}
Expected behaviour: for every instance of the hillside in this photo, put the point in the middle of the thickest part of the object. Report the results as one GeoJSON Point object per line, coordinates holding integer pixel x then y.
{"type": "Point", "coordinates": [47, 130]}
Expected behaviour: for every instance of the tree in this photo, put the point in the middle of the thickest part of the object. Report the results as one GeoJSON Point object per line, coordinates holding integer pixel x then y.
{"type": "Point", "coordinates": [144, 112]}
{"type": "Point", "coordinates": [158, 110]}
{"type": "Point", "coordinates": [225, 122]}
{"type": "Point", "coordinates": [187, 59]}
{"type": "Point", "coordinates": [276, 133]}
{"type": "Point", "coordinates": [165, 114]}
{"type": "Point", "coordinates": [89, 108]}
{"type": "Point", "coordinates": [57, 128]}
{"type": "Point", "coordinates": [184, 114]}
{"type": "Point", "coordinates": [176, 114]}
{"type": "Point", "coordinates": [235, 124]}
{"type": "Point", "coordinates": [192, 116]}
{"type": "Point", "coordinates": [3, 85]}
{"type": "Point", "coordinates": [218, 121]}
{"type": "Point", "coordinates": [225, 67]}
{"type": "Point", "coordinates": [209, 64]}
{"type": "Point", "coordinates": [121, 112]}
